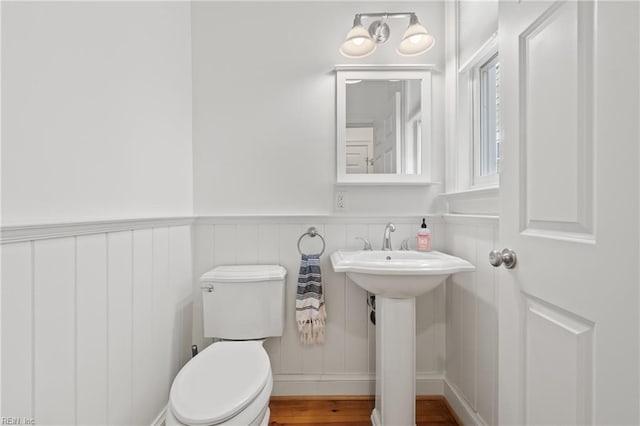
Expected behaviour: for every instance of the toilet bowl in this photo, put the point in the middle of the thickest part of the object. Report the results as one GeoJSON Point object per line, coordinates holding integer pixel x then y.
{"type": "Point", "coordinates": [230, 382]}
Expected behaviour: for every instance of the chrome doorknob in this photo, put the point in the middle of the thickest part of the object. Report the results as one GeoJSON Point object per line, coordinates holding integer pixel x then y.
{"type": "Point", "coordinates": [506, 257]}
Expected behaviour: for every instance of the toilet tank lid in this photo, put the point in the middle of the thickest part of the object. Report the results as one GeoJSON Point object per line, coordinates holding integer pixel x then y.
{"type": "Point", "coordinates": [244, 273]}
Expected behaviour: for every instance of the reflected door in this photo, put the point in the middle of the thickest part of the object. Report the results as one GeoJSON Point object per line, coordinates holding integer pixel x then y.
{"type": "Point", "coordinates": [359, 150]}
{"type": "Point", "coordinates": [357, 158]}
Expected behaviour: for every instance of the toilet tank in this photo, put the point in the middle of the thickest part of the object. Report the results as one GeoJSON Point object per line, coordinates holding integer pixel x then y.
{"type": "Point", "coordinates": [242, 302]}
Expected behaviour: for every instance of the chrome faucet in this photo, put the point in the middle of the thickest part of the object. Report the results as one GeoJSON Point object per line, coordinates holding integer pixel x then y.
{"type": "Point", "coordinates": [386, 241]}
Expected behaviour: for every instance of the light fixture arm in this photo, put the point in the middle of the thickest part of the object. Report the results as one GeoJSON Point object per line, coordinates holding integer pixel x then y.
{"type": "Point", "coordinates": [388, 14]}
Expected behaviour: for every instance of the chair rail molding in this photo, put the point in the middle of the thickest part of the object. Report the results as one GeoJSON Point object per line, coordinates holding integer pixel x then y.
{"type": "Point", "coordinates": [18, 233]}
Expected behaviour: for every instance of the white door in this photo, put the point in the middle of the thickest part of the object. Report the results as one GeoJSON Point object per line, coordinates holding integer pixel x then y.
{"type": "Point", "coordinates": [568, 328]}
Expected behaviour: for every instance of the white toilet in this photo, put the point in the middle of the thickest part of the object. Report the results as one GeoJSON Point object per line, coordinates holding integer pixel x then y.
{"type": "Point", "coordinates": [230, 382]}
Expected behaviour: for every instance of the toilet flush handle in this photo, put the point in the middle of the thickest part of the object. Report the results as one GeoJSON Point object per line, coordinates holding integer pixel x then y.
{"type": "Point", "coordinates": [207, 287]}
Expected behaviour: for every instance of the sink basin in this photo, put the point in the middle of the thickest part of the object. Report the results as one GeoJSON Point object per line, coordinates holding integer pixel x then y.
{"type": "Point", "coordinates": [397, 274]}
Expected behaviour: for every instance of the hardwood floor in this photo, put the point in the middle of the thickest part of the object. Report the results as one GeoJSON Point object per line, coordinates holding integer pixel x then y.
{"type": "Point", "coordinates": [351, 410]}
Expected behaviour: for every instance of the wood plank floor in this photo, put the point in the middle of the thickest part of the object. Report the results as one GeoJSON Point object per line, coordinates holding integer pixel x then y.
{"type": "Point", "coordinates": [351, 410]}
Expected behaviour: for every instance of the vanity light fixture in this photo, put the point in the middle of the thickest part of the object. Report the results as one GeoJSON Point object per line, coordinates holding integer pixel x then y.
{"type": "Point", "coordinates": [361, 42]}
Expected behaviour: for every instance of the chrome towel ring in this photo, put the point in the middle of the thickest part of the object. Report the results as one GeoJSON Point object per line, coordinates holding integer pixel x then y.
{"type": "Point", "coordinates": [311, 232]}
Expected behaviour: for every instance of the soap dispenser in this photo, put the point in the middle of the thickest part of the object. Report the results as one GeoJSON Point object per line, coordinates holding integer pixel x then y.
{"type": "Point", "coordinates": [424, 237]}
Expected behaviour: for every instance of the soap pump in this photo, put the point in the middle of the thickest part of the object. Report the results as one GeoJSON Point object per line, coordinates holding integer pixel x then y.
{"type": "Point", "coordinates": [424, 237]}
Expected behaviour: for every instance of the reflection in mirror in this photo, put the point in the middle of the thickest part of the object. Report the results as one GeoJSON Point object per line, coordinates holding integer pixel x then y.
{"type": "Point", "coordinates": [383, 126]}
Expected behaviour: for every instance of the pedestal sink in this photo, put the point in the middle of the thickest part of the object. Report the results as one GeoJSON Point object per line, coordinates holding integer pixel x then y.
{"type": "Point", "coordinates": [396, 278]}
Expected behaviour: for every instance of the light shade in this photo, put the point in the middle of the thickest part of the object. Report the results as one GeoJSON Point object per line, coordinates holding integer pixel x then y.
{"type": "Point", "coordinates": [416, 40]}
{"type": "Point", "coordinates": [358, 42]}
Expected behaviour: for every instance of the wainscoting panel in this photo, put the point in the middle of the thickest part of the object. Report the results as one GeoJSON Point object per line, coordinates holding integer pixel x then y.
{"type": "Point", "coordinates": [161, 313]}
{"type": "Point", "coordinates": [91, 348]}
{"type": "Point", "coordinates": [360, 340]}
{"type": "Point", "coordinates": [334, 287]}
{"type": "Point", "coordinates": [472, 317]}
{"type": "Point", "coordinates": [143, 356]}
{"type": "Point", "coordinates": [120, 326]}
{"type": "Point", "coordinates": [17, 329]}
{"type": "Point", "coordinates": [54, 331]}
{"type": "Point", "coordinates": [95, 325]}
{"type": "Point", "coordinates": [345, 362]}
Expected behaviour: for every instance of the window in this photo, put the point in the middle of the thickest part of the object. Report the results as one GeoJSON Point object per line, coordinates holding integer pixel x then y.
{"type": "Point", "coordinates": [486, 117]}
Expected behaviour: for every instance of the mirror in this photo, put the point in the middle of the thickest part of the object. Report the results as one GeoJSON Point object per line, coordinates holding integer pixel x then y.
{"type": "Point", "coordinates": [383, 120]}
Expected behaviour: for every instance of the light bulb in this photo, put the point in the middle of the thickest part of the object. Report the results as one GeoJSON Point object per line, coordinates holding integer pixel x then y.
{"type": "Point", "coordinates": [358, 42]}
{"type": "Point", "coordinates": [416, 40]}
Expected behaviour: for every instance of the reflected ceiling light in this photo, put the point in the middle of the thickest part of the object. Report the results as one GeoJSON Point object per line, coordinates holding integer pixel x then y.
{"type": "Point", "coordinates": [360, 42]}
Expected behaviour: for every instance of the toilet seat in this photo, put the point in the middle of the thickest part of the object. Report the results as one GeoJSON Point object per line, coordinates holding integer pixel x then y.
{"type": "Point", "coordinates": [227, 382]}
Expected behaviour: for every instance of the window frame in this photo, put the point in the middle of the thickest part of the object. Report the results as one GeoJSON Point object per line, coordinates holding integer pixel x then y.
{"type": "Point", "coordinates": [469, 74]}
{"type": "Point", "coordinates": [478, 119]}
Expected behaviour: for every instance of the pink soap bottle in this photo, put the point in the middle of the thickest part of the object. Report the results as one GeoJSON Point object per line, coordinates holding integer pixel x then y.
{"type": "Point", "coordinates": [424, 237]}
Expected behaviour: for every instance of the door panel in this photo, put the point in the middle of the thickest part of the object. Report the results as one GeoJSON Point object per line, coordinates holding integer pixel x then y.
{"type": "Point", "coordinates": [559, 351]}
{"type": "Point", "coordinates": [556, 89]}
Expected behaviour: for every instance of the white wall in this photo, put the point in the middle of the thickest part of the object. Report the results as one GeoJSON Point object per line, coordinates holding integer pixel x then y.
{"type": "Point", "coordinates": [96, 317]}
{"type": "Point", "coordinates": [264, 106]}
{"type": "Point", "coordinates": [345, 363]}
{"type": "Point", "coordinates": [96, 111]}
{"type": "Point", "coordinates": [477, 21]}
{"type": "Point", "coordinates": [99, 126]}
{"type": "Point", "coordinates": [472, 319]}
{"type": "Point", "coordinates": [95, 325]}
{"type": "Point", "coordinates": [471, 233]}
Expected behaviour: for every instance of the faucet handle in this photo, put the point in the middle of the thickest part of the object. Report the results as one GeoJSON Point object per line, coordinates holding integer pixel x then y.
{"type": "Point", "coordinates": [367, 244]}
{"type": "Point", "coordinates": [405, 244]}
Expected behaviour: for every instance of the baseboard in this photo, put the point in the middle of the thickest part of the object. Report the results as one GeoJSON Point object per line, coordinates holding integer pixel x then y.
{"type": "Point", "coordinates": [160, 420]}
{"type": "Point", "coordinates": [467, 415]}
{"type": "Point", "coordinates": [347, 384]}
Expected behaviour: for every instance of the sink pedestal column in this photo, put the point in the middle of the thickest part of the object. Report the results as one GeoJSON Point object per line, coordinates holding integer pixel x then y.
{"type": "Point", "coordinates": [395, 362]}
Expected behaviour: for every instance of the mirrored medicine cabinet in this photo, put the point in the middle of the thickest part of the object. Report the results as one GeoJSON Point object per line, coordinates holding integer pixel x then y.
{"type": "Point", "coordinates": [383, 124]}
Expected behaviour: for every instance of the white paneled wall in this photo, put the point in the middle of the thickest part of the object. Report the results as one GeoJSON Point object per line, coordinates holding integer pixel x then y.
{"type": "Point", "coordinates": [345, 364]}
{"type": "Point", "coordinates": [95, 325]}
{"type": "Point", "coordinates": [472, 318]}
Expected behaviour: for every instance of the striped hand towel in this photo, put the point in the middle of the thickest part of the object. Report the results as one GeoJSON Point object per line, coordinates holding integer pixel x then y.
{"type": "Point", "coordinates": [310, 309]}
